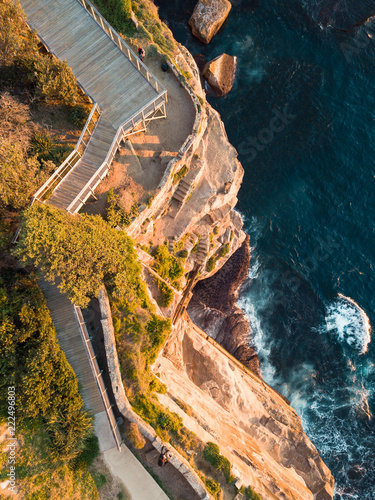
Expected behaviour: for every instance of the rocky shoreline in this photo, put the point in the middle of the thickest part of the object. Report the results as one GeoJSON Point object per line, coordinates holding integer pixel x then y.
{"type": "Point", "coordinates": [213, 308]}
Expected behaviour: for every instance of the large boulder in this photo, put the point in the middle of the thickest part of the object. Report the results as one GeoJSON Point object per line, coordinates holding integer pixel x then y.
{"type": "Point", "coordinates": [208, 17]}
{"type": "Point", "coordinates": [220, 73]}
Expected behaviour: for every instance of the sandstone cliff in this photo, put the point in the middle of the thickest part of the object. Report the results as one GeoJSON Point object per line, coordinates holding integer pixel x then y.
{"type": "Point", "coordinates": [255, 428]}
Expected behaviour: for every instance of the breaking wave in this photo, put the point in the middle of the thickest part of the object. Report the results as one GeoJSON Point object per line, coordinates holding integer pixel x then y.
{"type": "Point", "coordinates": [348, 323]}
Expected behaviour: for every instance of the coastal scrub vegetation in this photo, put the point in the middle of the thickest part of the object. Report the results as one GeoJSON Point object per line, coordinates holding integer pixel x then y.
{"type": "Point", "coordinates": [117, 215]}
{"type": "Point", "coordinates": [212, 455]}
{"type": "Point", "coordinates": [169, 267]}
{"type": "Point", "coordinates": [81, 252]}
{"type": "Point", "coordinates": [117, 13]}
{"type": "Point", "coordinates": [150, 29]}
{"type": "Point", "coordinates": [22, 63]}
{"type": "Point", "coordinates": [35, 89]}
{"type": "Point", "coordinates": [53, 426]}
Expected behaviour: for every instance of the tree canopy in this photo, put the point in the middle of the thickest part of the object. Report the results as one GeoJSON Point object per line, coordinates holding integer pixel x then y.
{"type": "Point", "coordinates": [31, 360]}
{"type": "Point", "coordinates": [21, 61]}
{"type": "Point", "coordinates": [79, 252]}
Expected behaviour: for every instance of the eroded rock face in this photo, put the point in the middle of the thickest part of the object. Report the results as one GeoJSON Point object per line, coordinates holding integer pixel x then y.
{"type": "Point", "coordinates": [213, 308]}
{"type": "Point", "coordinates": [220, 73]}
{"type": "Point", "coordinates": [208, 17]}
{"type": "Point", "coordinates": [253, 425]}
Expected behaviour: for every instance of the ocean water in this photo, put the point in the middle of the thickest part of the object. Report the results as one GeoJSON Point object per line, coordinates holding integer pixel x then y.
{"type": "Point", "coordinates": [302, 117]}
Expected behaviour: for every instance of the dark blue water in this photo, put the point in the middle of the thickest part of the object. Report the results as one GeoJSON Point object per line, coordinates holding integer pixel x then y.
{"type": "Point", "coordinates": [308, 205]}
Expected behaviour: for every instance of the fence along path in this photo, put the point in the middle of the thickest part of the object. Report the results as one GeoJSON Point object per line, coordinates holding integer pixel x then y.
{"type": "Point", "coordinates": [122, 87]}
{"type": "Point", "coordinates": [124, 94]}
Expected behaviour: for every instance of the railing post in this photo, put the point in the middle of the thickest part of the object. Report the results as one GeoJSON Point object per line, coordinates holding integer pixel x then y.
{"type": "Point", "coordinates": [101, 22]}
{"type": "Point", "coordinates": [138, 65]}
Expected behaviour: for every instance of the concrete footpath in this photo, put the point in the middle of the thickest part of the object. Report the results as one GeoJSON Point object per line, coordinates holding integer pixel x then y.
{"type": "Point", "coordinates": [123, 465]}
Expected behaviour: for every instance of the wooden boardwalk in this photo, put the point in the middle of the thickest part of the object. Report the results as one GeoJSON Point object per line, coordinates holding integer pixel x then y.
{"type": "Point", "coordinates": [105, 73]}
{"type": "Point", "coordinates": [70, 340]}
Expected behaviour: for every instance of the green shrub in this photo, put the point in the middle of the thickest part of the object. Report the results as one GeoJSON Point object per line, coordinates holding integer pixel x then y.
{"type": "Point", "coordinates": [82, 262]}
{"type": "Point", "coordinates": [54, 81]}
{"type": "Point", "coordinates": [157, 386]}
{"type": "Point", "coordinates": [180, 174]}
{"type": "Point", "coordinates": [211, 453]}
{"type": "Point", "coordinates": [100, 480]}
{"type": "Point", "coordinates": [78, 116]}
{"type": "Point", "coordinates": [216, 230]}
{"type": "Point", "coordinates": [213, 487]}
{"type": "Point", "coordinates": [250, 494]}
{"type": "Point", "coordinates": [183, 254]}
{"type": "Point", "coordinates": [166, 296]}
{"type": "Point", "coordinates": [211, 264]}
{"type": "Point", "coordinates": [152, 50]}
{"type": "Point", "coordinates": [117, 13]}
{"type": "Point", "coordinates": [43, 146]}
{"type": "Point", "coordinates": [167, 266]}
{"type": "Point", "coordinates": [169, 421]}
{"type": "Point", "coordinates": [46, 149]}
{"type": "Point", "coordinates": [224, 250]}
{"type": "Point", "coordinates": [88, 454]}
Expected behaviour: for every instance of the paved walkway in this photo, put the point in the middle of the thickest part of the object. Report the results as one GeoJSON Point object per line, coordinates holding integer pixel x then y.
{"type": "Point", "coordinates": [138, 482]}
{"type": "Point", "coordinates": [123, 464]}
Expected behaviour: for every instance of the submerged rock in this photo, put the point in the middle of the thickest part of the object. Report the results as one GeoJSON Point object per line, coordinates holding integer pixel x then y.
{"type": "Point", "coordinates": [208, 17]}
{"type": "Point", "coordinates": [220, 73]}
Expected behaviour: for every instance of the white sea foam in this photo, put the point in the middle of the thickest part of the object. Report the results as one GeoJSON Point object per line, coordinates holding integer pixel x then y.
{"type": "Point", "coordinates": [261, 343]}
{"type": "Point", "coordinates": [347, 322]}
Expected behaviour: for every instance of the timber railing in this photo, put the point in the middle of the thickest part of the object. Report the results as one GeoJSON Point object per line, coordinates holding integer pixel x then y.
{"type": "Point", "coordinates": [98, 377]}
{"type": "Point", "coordinates": [116, 38]}
{"type": "Point", "coordinates": [128, 126]}
{"type": "Point", "coordinates": [45, 191]}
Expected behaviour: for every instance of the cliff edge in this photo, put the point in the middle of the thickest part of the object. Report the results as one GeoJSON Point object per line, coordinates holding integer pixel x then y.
{"type": "Point", "coordinates": [254, 426]}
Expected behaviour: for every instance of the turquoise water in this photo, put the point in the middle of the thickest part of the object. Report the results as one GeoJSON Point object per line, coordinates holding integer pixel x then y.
{"type": "Point", "coordinates": [308, 204]}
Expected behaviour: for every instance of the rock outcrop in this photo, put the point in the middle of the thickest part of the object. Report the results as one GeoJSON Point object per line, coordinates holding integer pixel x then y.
{"type": "Point", "coordinates": [213, 308]}
{"type": "Point", "coordinates": [208, 17]}
{"type": "Point", "coordinates": [194, 209]}
{"type": "Point", "coordinates": [253, 425]}
{"type": "Point", "coordinates": [220, 73]}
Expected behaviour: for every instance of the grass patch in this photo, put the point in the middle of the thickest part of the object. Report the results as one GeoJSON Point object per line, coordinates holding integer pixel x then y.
{"type": "Point", "coordinates": [180, 174]}
{"type": "Point", "coordinates": [211, 264]}
{"type": "Point", "coordinates": [100, 480]}
{"type": "Point", "coordinates": [224, 250]}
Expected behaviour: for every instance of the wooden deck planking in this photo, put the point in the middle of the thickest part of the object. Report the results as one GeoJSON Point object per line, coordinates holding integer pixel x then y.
{"type": "Point", "coordinates": [70, 340]}
{"type": "Point", "coordinates": [105, 73]}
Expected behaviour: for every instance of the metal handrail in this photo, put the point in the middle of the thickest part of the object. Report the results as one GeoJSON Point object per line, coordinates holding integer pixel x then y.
{"type": "Point", "coordinates": [98, 376]}
{"type": "Point", "coordinates": [116, 38]}
{"type": "Point", "coordinates": [129, 124]}
{"type": "Point", "coordinates": [67, 165]}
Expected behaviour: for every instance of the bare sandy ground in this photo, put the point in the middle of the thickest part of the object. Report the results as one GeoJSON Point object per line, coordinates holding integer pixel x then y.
{"type": "Point", "coordinates": [137, 169]}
